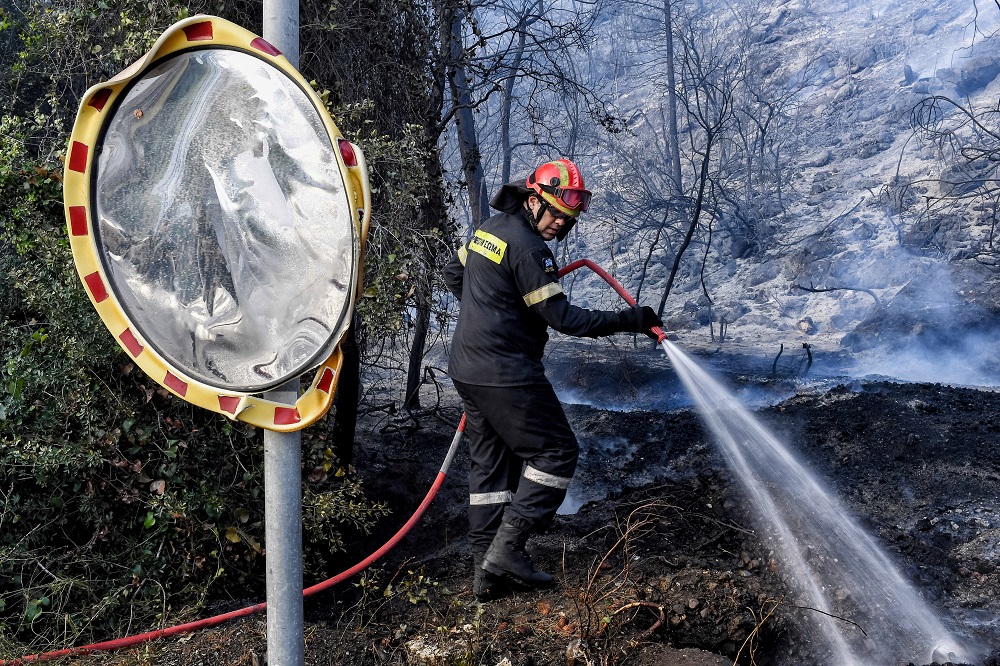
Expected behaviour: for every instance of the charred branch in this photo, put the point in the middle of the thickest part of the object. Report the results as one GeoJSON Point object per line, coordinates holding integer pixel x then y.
{"type": "Point", "coordinates": [658, 608]}
{"type": "Point", "coordinates": [819, 290]}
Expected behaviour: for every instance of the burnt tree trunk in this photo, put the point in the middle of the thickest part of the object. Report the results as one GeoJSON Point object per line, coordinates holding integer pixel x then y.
{"type": "Point", "coordinates": [672, 136]}
{"type": "Point", "coordinates": [506, 149]}
{"type": "Point", "coordinates": [413, 370]}
{"type": "Point", "coordinates": [695, 218]}
{"type": "Point", "coordinates": [465, 121]}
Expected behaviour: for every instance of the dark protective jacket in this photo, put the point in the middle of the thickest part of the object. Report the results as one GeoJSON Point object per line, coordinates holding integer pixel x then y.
{"type": "Point", "coordinates": [506, 279]}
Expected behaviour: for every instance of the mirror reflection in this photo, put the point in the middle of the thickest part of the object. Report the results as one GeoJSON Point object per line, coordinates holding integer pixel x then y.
{"type": "Point", "coordinates": [223, 222]}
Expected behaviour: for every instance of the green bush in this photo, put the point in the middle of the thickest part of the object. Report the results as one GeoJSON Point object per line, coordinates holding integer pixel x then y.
{"type": "Point", "coordinates": [122, 508]}
{"type": "Point", "coordinates": [115, 497]}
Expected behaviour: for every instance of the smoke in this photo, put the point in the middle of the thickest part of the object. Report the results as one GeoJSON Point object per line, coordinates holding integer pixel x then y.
{"type": "Point", "coordinates": [965, 361]}
{"type": "Point", "coordinates": [939, 328]}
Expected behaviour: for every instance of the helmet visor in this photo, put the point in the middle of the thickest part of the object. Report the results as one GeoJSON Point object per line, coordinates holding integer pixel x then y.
{"type": "Point", "coordinates": [576, 200]}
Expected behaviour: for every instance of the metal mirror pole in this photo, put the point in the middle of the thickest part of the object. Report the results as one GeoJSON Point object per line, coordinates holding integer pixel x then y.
{"type": "Point", "coordinates": [283, 452]}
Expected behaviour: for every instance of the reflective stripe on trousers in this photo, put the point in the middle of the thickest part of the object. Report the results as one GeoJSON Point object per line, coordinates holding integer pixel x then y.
{"type": "Point", "coordinates": [480, 499]}
{"type": "Point", "coordinates": [546, 479]}
{"type": "Point", "coordinates": [508, 426]}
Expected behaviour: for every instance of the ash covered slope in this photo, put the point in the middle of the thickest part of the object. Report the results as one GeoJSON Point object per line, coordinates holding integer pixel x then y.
{"type": "Point", "coordinates": [915, 282]}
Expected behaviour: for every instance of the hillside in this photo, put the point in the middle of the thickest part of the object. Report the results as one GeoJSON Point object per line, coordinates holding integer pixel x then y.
{"type": "Point", "coordinates": [851, 74]}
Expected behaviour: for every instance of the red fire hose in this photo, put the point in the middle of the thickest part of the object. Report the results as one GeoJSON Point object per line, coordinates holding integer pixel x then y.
{"type": "Point", "coordinates": [613, 283]}
{"type": "Point", "coordinates": [137, 639]}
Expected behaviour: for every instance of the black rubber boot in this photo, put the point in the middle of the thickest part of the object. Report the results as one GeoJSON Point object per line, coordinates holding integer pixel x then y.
{"type": "Point", "coordinates": [507, 557]}
{"type": "Point", "coordinates": [485, 585]}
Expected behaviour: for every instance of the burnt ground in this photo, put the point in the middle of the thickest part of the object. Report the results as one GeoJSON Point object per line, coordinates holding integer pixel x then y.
{"type": "Point", "coordinates": [664, 567]}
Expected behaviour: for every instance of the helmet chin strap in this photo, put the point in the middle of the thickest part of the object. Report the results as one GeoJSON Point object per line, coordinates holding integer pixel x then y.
{"type": "Point", "coordinates": [536, 217]}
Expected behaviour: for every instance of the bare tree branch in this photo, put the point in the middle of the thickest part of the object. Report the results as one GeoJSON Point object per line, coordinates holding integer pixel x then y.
{"type": "Point", "coordinates": [819, 290]}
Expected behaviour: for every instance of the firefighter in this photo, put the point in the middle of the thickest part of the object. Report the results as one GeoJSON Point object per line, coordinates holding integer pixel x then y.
{"type": "Point", "coordinates": [522, 449]}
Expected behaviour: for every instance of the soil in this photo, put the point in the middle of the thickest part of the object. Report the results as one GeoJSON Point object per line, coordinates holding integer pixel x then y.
{"type": "Point", "coordinates": [663, 566]}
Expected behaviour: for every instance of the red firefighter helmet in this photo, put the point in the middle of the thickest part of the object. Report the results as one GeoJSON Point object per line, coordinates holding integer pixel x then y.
{"type": "Point", "coordinates": [560, 184]}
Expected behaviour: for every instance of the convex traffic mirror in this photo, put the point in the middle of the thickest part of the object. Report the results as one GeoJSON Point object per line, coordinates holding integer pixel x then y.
{"type": "Point", "coordinates": [217, 219]}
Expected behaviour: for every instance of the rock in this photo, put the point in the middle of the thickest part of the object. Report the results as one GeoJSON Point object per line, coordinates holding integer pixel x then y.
{"type": "Point", "coordinates": [864, 60]}
{"type": "Point", "coordinates": [863, 231]}
{"type": "Point", "coordinates": [946, 74]}
{"type": "Point", "coordinates": [925, 25]}
{"type": "Point", "coordinates": [764, 273]}
{"type": "Point", "coordinates": [870, 113]}
{"type": "Point", "coordinates": [976, 75]}
{"type": "Point", "coordinates": [731, 311]}
{"type": "Point", "coordinates": [818, 159]}
{"type": "Point", "coordinates": [807, 326]}
{"type": "Point", "coordinates": [845, 92]}
{"type": "Point", "coordinates": [576, 653]}
{"type": "Point", "coordinates": [427, 651]}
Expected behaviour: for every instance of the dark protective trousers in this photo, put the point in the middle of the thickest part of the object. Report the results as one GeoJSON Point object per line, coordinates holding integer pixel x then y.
{"type": "Point", "coordinates": [510, 428]}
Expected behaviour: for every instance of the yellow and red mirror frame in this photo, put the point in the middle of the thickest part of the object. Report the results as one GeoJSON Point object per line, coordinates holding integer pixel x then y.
{"type": "Point", "coordinates": [199, 32]}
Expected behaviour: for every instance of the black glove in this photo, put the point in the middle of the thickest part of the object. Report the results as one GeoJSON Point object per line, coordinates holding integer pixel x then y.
{"type": "Point", "coordinates": [640, 319]}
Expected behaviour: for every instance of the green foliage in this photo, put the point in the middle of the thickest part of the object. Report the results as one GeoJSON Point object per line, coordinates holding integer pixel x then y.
{"type": "Point", "coordinates": [333, 500]}
{"type": "Point", "coordinates": [380, 62]}
{"type": "Point", "coordinates": [396, 258]}
{"type": "Point", "coordinates": [121, 507]}
{"type": "Point", "coordinates": [416, 587]}
{"type": "Point", "coordinates": [113, 494]}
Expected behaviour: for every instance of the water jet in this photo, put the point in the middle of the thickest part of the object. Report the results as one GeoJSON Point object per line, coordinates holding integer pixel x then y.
{"type": "Point", "coordinates": [862, 609]}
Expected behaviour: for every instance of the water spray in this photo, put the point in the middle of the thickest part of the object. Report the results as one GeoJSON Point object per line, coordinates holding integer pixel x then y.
{"type": "Point", "coordinates": [836, 568]}
{"type": "Point", "coordinates": [835, 565]}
